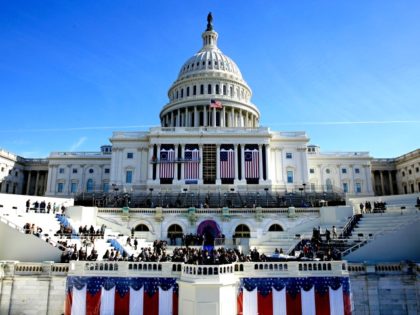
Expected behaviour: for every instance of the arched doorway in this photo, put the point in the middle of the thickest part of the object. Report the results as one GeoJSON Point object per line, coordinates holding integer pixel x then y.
{"type": "Point", "coordinates": [210, 230]}
{"type": "Point", "coordinates": [174, 232]}
{"type": "Point", "coordinates": [275, 228]}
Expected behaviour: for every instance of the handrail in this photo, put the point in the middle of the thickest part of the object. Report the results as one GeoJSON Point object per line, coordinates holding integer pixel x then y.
{"type": "Point", "coordinates": [375, 236]}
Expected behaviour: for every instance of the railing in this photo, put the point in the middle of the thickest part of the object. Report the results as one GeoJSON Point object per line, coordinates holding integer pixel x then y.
{"type": "Point", "coordinates": [376, 235]}
{"type": "Point", "coordinates": [240, 269]}
{"type": "Point", "coordinates": [96, 154]}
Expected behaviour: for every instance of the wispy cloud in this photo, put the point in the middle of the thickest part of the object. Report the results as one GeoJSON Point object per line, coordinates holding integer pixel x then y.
{"type": "Point", "coordinates": [365, 122]}
{"type": "Point", "coordinates": [77, 144]}
{"type": "Point", "coordinates": [78, 128]}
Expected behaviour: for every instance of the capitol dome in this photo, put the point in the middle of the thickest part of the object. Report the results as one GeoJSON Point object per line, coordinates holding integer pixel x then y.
{"type": "Point", "coordinates": [210, 77]}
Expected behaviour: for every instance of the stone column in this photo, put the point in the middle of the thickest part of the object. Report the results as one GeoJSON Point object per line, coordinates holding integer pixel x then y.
{"type": "Point", "coordinates": [82, 184]}
{"type": "Point", "coordinates": [182, 163]}
{"type": "Point", "coordinates": [214, 118]}
{"type": "Point", "coordinates": [69, 180]}
{"type": "Point", "coordinates": [222, 117]}
{"type": "Point", "coordinates": [235, 155]}
{"type": "Point", "coordinates": [150, 165]}
{"type": "Point", "coordinates": [195, 122]}
{"type": "Point", "coordinates": [36, 183]}
{"type": "Point", "coordinates": [205, 116]}
{"type": "Point", "coordinates": [158, 165]}
{"type": "Point", "coordinates": [382, 182]}
{"type": "Point", "coordinates": [200, 168]}
{"type": "Point", "coordinates": [218, 181]}
{"type": "Point", "coordinates": [339, 176]}
{"type": "Point", "coordinates": [28, 183]}
{"type": "Point", "coordinates": [260, 163]}
{"type": "Point", "coordinates": [267, 162]}
{"type": "Point", "coordinates": [243, 162]}
{"type": "Point", "coordinates": [176, 164]}
{"type": "Point", "coordinates": [391, 186]}
{"type": "Point", "coordinates": [178, 118]}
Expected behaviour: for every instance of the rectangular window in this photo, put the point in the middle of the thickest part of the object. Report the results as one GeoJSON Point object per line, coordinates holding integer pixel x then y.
{"type": "Point", "coordinates": [74, 170]}
{"type": "Point", "coordinates": [130, 155]}
{"type": "Point", "coordinates": [73, 188]}
{"type": "Point", "coordinates": [357, 170]}
{"type": "Point", "coordinates": [106, 187]}
{"type": "Point", "coordinates": [289, 155]}
{"type": "Point", "coordinates": [60, 187]}
{"type": "Point", "coordinates": [106, 171]}
{"type": "Point", "coordinates": [343, 171]}
{"type": "Point", "coordinates": [358, 188]}
{"type": "Point", "coordinates": [129, 177]}
{"type": "Point", "coordinates": [61, 170]}
{"type": "Point", "coordinates": [345, 187]}
{"type": "Point", "coordinates": [311, 171]}
{"type": "Point", "coordinates": [290, 177]}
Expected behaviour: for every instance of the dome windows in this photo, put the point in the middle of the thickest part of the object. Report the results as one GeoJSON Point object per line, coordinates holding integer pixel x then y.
{"type": "Point", "coordinates": [188, 91]}
{"type": "Point", "coordinates": [209, 89]}
{"type": "Point", "coordinates": [194, 90]}
{"type": "Point", "coordinates": [217, 89]}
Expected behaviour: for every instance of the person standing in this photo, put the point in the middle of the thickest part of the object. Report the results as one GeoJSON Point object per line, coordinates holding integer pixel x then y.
{"type": "Point", "coordinates": [28, 205]}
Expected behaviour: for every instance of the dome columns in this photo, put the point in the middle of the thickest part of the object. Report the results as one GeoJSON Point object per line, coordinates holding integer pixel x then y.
{"type": "Point", "coordinates": [204, 116]}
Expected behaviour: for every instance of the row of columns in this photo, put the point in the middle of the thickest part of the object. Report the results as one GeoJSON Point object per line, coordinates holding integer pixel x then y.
{"type": "Point", "coordinates": [185, 118]}
{"type": "Point", "coordinates": [27, 189]}
{"type": "Point", "coordinates": [218, 179]}
{"type": "Point", "coordinates": [382, 182]}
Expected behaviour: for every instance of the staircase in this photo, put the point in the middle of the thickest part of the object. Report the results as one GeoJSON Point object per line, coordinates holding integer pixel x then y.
{"type": "Point", "coordinates": [374, 225]}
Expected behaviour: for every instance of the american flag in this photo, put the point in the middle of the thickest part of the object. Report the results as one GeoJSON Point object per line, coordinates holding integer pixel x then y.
{"type": "Point", "coordinates": [121, 296]}
{"type": "Point", "coordinates": [191, 166]}
{"type": "Point", "coordinates": [252, 164]}
{"type": "Point", "coordinates": [289, 296]}
{"type": "Point", "coordinates": [167, 165]}
{"type": "Point", "coordinates": [215, 104]}
{"type": "Point", "coordinates": [227, 163]}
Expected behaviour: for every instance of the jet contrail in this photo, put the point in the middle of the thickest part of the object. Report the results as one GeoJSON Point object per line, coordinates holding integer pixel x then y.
{"type": "Point", "coordinates": [77, 128]}
{"type": "Point", "coordinates": [366, 122]}
{"type": "Point", "coordinates": [319, 123]}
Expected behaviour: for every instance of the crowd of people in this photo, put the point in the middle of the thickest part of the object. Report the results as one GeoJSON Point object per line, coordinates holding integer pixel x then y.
{"type": "Point", "coordinates": [378, 206]}
{"type": "Point", "coordinates": [71, 253]}
{"type": "Point", "coordinates": [44, 207]}
{"type": "Point", "coordinates": [31, 228]}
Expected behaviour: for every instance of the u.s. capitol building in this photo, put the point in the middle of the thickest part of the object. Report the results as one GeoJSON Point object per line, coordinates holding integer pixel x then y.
{"type": "Point", "coordinates": [210, 139]}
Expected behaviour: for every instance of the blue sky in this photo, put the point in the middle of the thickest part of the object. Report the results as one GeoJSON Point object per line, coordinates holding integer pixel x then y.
{"type": "Point", "coordinates": [346, 72]}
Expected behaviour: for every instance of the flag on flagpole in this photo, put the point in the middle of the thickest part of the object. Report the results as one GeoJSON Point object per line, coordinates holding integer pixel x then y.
{"type": "Point", "coordinates": [121, 296]}
{"type": "Point", "coordinates": [215, 104]}
{"type": "Point", "coordinates": [191, 165]}
{"type": "Point", "coordinates": [167, 165]}
{"type": "Point", "coordinates": [227, 163]}
{"type": "Point", "coordinates": [284, 296]}
{"type": "Point", "coordinates": [252, 164]}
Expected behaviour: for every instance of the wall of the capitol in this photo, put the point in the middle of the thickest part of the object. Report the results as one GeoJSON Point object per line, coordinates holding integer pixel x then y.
{"type": "Point", "coordinates": [408, 172]}
{"type": "Point", "coordinates": [349, 172]}
{"type": "Point", "coordinates": [375, 289]}
{"type": "Point", "coordinates": [72, 173]}
{"type": "Point", "coordinates": [11, 173]}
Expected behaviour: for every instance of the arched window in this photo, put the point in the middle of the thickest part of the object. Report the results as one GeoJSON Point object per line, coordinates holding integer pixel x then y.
{"type": "Point", "coordinates": [194, 90]}
{"type": "Point", "coordinates": [224, 90]}
{"type": "Point", "coordinates": [188, 91]}
{"type": "Point", "coordinates": [141, 228]}
{"type": "Point", "coordinates": [174, 231]}
{"type": "Point", "coordinates": [217, 89]}
{"type": "Point", "coordinates": [89, 185]}
{"type": "Point", "coordinates": [202, 89]}
{"type": "Point", "coordinates": [275, 228]}
{"type": "Point", "coordinates": [209, 89]}
{"type": "Point", "coordinates": [242, 231]}
{"type": "Point", "coordinates": [182, 93]}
